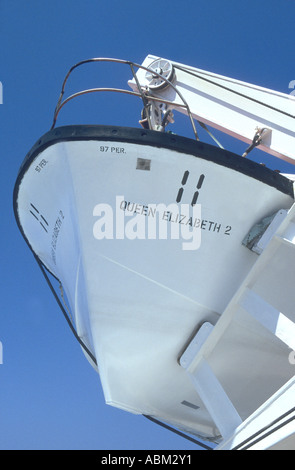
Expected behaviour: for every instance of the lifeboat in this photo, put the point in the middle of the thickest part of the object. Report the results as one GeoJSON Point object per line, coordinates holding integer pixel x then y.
{"type": "Point", "coordinates": [144, 230]}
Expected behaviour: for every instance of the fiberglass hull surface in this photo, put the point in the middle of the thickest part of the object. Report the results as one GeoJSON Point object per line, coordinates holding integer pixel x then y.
{"type": "Point", "coordinates": [109, 212]}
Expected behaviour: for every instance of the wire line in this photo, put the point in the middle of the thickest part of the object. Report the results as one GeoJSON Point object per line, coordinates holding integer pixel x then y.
{"type": "Point", "coordinates": [234, 91]}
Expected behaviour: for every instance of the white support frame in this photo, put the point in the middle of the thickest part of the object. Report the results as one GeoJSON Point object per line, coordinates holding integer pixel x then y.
{"type": "Point", "coordinates": [195, 359]}
{"type": "Point", "coordinates": [234, 107]}
{"type": "Point", "coordinates": [207, 385]}
{"type": "Point", "coordinates": [273, 320]}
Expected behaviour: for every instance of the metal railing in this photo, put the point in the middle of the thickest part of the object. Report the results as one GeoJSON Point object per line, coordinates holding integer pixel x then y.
{"type": "Point", "coordinates": [143, 92]}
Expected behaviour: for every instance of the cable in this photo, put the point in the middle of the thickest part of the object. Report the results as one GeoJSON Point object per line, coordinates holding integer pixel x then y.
{"type": "Point", "coordinates": [233, 91]}
{"type": "Point", "coordinates": [210, 133]}
{"type": "Point", "coordinates": [144, 96]}
{"type": "Point", "coordinates": [268, 434]}
{"type": "Point", "coordinates": [94, 359]}
{"type": "Point", "coordinates": [179, 433]}
{"type": "Point", "coordinates": [64, 312]}
{"type": "Point", "coordinates": [247, 441]}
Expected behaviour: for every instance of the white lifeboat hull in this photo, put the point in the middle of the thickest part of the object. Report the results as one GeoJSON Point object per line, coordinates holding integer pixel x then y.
{"type": "Point", "coordinates": [90, 201]}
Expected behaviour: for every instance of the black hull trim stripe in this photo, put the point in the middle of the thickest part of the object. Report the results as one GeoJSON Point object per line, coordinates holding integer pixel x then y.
{"type": "Point", "coordinates": [159, 139]}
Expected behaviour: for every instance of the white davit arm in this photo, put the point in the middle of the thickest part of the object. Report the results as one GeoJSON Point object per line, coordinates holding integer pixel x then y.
{"type": "Point", "coordinates": [236, 108]}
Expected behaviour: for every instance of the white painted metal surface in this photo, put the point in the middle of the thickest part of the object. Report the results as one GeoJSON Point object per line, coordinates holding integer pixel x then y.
{"type": "Point", "coordinates": [267, 297]}
{"type": "Point", "coordinates": [187, 324]}
{"type": "Point", "coordinates": [137, 301]}
{"type": "Point", "coordinates": [232, 106]}
{"type": "Point", "coordinates": [271, 427]}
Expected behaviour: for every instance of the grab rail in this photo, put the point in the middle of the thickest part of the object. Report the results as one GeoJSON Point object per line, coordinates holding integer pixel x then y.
{"type": "Point", "coordinates": [142, 93]}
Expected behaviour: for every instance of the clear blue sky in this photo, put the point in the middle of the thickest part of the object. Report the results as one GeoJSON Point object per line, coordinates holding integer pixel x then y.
{"type": "Point", "coordinates": [50, 397]}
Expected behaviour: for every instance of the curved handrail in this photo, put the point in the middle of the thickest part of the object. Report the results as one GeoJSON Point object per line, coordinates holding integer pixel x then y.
{"type": "Point", "coordinates": [142, 93]}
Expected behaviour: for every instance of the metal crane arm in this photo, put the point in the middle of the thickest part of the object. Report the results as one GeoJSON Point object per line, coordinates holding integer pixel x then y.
{"type": "Point", "coordinates": [236, 108]}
